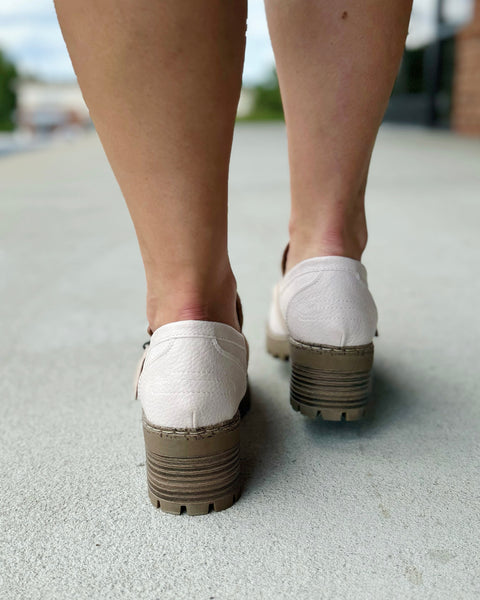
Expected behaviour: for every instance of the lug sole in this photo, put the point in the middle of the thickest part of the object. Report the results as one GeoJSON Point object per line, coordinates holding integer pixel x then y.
{"type": "Point", "coordinates": [193, 470]}
{"type": "Point", "coordinates": [331, 382]}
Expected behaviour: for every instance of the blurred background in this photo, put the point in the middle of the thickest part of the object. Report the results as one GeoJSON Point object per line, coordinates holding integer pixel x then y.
{"type": "Point", "coordinates": [386, 508]}
{"type": "Point", "coordinates": [438, 84]}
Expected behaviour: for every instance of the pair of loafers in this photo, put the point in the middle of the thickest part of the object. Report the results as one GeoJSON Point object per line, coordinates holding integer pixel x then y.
{"type": "Point", "coordinates": [193, 388]}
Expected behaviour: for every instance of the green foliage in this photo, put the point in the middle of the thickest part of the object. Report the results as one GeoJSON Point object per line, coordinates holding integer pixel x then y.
{"type": "Point", "coordinates": [8, 95]}
{"type": "Point", "coordinates": [268, 103]}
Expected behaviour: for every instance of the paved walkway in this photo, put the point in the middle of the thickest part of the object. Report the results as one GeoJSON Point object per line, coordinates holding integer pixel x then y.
{"type": "Point", "coordinates": [384, 509]}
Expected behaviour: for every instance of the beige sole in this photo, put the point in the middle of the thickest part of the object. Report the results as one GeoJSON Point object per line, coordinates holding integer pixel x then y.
{"type": "Point", "coordinates": [278, 346]}
{"type": "Point", "coordinates": [195, 470]}
{"type": "Point", "coordinates": [331, 382]}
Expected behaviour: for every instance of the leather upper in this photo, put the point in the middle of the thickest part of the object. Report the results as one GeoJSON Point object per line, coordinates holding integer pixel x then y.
{"type": "Point", "coordinates": [326, 300]}
{"type": "Point", "coordinates": [194, 374]}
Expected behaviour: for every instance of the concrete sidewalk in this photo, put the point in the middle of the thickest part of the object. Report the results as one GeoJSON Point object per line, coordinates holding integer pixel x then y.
{"type": "Point", "coordinates": [388, 508]}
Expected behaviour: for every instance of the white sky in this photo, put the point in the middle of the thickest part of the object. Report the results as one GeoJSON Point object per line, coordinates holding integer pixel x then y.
{"type": "Point", "coordinates": [29, 33]}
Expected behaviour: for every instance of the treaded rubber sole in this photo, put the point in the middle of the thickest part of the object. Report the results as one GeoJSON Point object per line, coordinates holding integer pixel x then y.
{"type": "Point", "coordinates": [194, 470]}
{"type": "Point", "coordinates": [329, 381]}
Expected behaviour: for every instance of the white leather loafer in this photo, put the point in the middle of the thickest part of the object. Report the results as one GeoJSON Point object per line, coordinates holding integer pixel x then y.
{"type": "Point", "coordinates": [192, 385]}
{"type": "Point", "coordinates": [324, 318]}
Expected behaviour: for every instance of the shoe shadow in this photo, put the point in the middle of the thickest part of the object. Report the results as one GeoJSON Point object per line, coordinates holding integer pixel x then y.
{"type": "Point", "coordinates": [261, 443]}
{"type": "Point", "coordinates": [268, 435]}
{"type": "Point", "coordinates": [389, 406]}
{"type": "Point", "coordinates": [390, 401]}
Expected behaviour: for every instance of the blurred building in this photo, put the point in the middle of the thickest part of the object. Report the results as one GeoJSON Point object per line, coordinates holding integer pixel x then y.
{"type": "Point", "coordinates": [439, 79]}
{"type": "Point", "coordinates": [44, 107]}
{"type": "Point", "coordinates": [466, 85]}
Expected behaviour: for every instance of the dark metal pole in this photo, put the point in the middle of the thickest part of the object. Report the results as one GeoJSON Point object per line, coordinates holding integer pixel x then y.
{"type": "Point", "coordinates": [433, 68]}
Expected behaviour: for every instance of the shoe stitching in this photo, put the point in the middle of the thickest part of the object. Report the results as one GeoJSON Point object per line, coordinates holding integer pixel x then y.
{"type": "Point", "coordinates": [313, 282]}
{"type": "Point", "coordinates": [194, 336]}
{"type": "Point", "coordinates": [161, 352]}
{"type": "Point", "coordinates": [226, 354]}
{"type": "Point", "coordinates": [206, 430]}
{"type": "Point", "coordinates": [286, 282]}
{"type": "Point", "coordinates": [358, 266]}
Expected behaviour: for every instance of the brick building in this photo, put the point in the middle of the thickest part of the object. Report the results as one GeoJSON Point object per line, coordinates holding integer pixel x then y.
{"type": "Point", "coordinates": [466, 87]}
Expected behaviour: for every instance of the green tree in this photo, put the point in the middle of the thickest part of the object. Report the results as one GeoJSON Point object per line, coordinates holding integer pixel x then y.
{"type": "Point", "coordinates": [268, 103]}
{"type": "Point", "coordinates": [8, 94]}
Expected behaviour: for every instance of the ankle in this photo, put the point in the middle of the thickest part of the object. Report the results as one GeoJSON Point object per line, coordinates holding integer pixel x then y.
{"type": "Point", "coordinates": [349, 240]}
{"type": "Point", "coordinates": [186, 301]}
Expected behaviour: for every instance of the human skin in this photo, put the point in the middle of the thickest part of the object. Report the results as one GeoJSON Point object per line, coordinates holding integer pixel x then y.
{"type": "Point", "coordinates": [162, 81]}
{"type": "Point", "coordinates": [336, 63]}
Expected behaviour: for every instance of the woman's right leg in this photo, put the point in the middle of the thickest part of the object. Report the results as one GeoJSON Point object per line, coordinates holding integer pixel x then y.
{"type": "Point", "coordinates": [162, 82]}
{"type": "Point", "coordinates": [337, 62]}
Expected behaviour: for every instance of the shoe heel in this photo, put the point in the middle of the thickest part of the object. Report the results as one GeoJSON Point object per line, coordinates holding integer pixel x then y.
{"type": "Point", "coordinates": [193, 469]}
{"type": "Point", "coordinates": [331, 382]}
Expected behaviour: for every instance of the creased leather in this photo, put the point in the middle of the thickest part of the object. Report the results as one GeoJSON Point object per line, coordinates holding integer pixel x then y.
{"type": "Point", "coordinates": [326, 300]}
{"type": "Point", "coordinates": [194, 374]}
